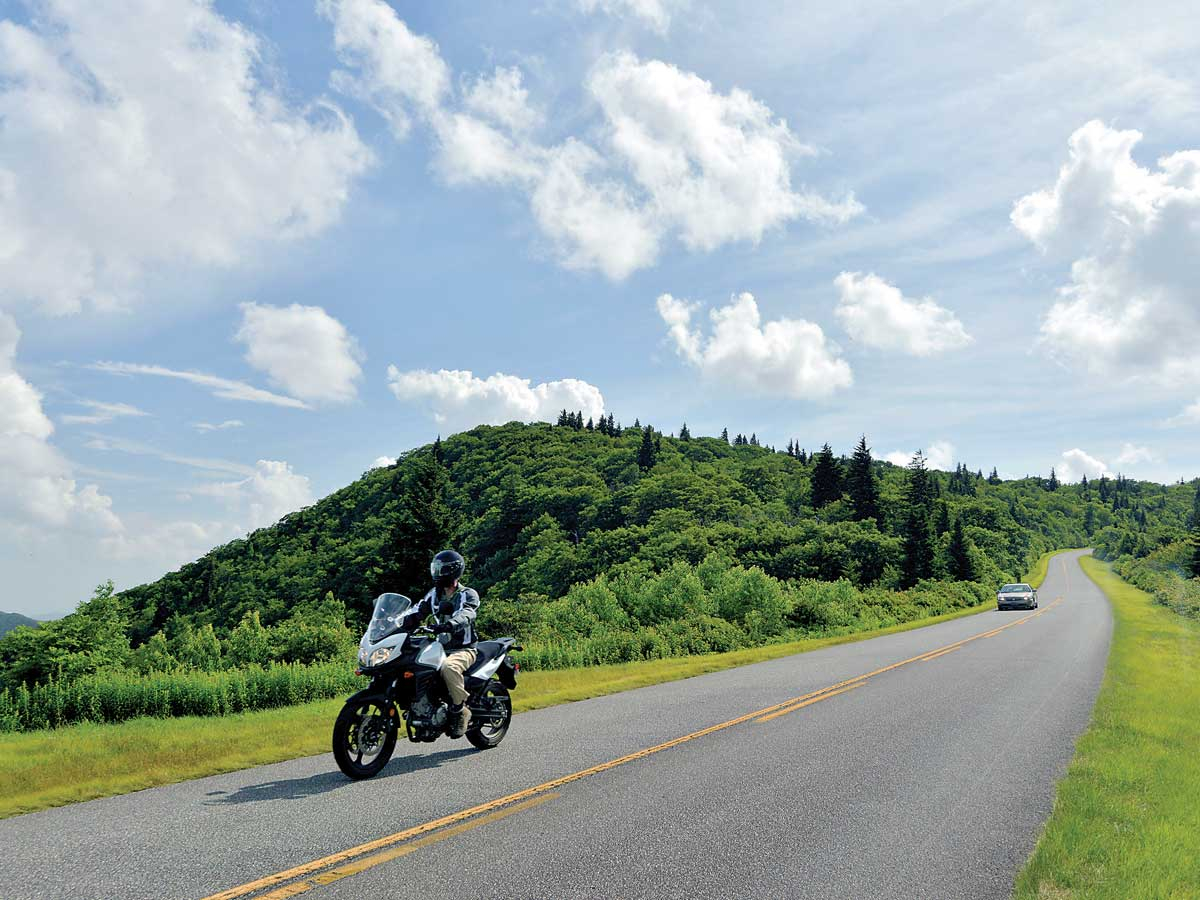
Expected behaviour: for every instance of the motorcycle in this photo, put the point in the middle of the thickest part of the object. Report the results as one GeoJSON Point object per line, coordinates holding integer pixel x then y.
{"type": "Point", "coordinates": [406, 686]}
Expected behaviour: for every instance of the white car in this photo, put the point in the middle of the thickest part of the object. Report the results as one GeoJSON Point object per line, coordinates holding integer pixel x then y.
{"type": "Point", "coordinates": [1022, 596]}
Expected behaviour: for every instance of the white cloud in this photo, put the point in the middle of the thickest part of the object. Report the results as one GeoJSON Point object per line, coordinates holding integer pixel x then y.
{"type": "Point", "coordinates": [656, 14]}
{"type": "Point", "coordinates": [218, 426]}
{"type": "Point", "coordinates": [1132, 454]}
{"type": "Point", "coordinates": [877, 314]}
{"type": "Point", "coordinates": [784, 357]}
{"type": "Point", "coordinates": [103, 413]}
{"type": "Point", "coordinates": [676, 158]}
{"type": "Point", "coordinates": [398, 72]}
{"type": "Point", "coordinates": [225, 388]}
{"type": "Point", "coordinates": [459, 400]}
{"type": "Point", "coordinates": [38, 494]}
{"type": "Point", "coordinates": [1190, 415]}
{"type": "Point", "coordinates": [939, 455]}
{"type": "Point", "coordinates": [120, 445]}
{"type": "Point", "coordinates": [1133, 237]}
{"type": "Point", "coordinates": [303, 350]}
{"type": "Point", "coordinates": [143, 134]}
{"type": "Point", "coordinates": [383, 462]}
{"type": "Point", "coordinates": [1076, 463]}
{"type": "Point", "coordinates": [271, 491]}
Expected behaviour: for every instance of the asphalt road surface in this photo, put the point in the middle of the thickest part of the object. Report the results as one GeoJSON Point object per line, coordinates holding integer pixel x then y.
{"type": "Point", "coordinates": [799, 777]}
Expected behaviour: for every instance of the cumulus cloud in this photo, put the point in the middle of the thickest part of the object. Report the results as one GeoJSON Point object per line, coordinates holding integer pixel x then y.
{"type": "Point", "coordinates": [1132, 454]}
{"type": "Point", "coordinates": [1132, 237]}
{"type": "Point", "coordinates": [656, 14]}
{"type": "Point", "coordinates": [382, 462]}
{"type": "Point", "coordinates": [101, 414]}
{"type": "Point", "coordinates": [1076, 463]}
{"type": "Point", "coordinates": [271, 491]}
{"type": "Point", "coordinates": [783, 357]}
{"type": "Point", "coordinates": [877, 314]}
{"type": "Point", "coordinates": [143, 134]}
{"type": "Point", "coordinates": [939, 455]}
{"type": "Point", "coordinates": [675, 158]}
{"type": "Point", "coordinates": [38, 494]}
{"type": "Point", "coordinates": [225, 388]}
{"type": "Point", "coordinates": [303, 350]}
{"type": "Point", "coordinates": [458, 400]}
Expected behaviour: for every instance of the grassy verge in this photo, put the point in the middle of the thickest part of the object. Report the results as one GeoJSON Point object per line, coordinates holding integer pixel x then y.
{"type": "Point", "coordinates": [1126, 819]}
{"type": "Point", "coordinates": [42, 769]}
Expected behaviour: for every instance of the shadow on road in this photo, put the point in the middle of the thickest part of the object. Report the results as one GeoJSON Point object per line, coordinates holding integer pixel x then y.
{"type": "Point", "coordinates": [299, 788]}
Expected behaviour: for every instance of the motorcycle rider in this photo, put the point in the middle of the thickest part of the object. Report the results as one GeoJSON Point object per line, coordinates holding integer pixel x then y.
{"type": "Point", "coordinates": [454, 606]}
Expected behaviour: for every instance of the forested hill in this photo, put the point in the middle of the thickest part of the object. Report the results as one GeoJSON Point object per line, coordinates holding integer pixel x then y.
{"type": "Point", "coordinates": [538, 508]}
{"type": "Point", "coordinates": [9, 621]}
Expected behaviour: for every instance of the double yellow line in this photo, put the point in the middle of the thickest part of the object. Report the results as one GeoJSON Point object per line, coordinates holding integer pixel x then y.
{"type": "Point", "coordinates": [349, 862]}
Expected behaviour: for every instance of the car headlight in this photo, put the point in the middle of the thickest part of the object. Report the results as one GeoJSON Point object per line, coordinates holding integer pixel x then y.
{"type": "Point", "coordinates": [380, 656]}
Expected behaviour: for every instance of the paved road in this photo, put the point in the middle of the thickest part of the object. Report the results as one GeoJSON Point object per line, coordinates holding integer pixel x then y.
{"type": "Point", "coordinates": [929, 779]}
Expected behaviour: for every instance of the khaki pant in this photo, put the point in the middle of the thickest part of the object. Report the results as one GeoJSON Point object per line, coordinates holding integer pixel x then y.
{"type": "Point", "coordinates": [452, 673]}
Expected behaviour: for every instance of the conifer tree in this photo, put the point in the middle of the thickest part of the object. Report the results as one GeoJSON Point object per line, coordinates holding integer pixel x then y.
{"type": "Point", "coordinates": [1195, 561]}
{"type": "Point", "coordinates": [753, 440]}
{"type": "Point", "coordinates": [437, 450]}
{"type": "Point", "coordinates": [684, 434]}
{"type": "Point", "coordinates": [613, 429]}
{"type": "Point", "coordinates": [647, 452]}
{"type": "Point", "coordinates": [943, 519]}
{"type": "Point", "coordinates": [959, 553]}
{"type": "Point", "coordinates": [918, 533]}
{"type": "Point", "coordinates": [1196, 506]}
{"type": "Point", "coordinates": [826, 479]}
{"type": "Point", "coordinates": [725, 435]}
{"type": "Point", "coordinates": [637, 424]}
{"type": "Point", "coordinates": [861, 484]}
{"type": "Point", "coordinates": [1052, 483]}
{"type": "Point", "coordinates": [994, 478]}
{"type": "Point", "coordinates": [562, 418]}
{"type": "Point", "coordinates": [791, 451]}
{"type": "Point", "coordinates": [803, 457]}
{"type": "Point", "coordinates": [591, 426]}
{"type": "Point", "coordinates": [1084, 487]}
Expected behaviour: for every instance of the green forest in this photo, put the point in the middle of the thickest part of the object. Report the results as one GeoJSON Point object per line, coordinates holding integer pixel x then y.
{"type": "Point", "coordinates": [594, 543]}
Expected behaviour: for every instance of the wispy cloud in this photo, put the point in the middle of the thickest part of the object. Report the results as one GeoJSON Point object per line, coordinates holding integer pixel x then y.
{"type": "Point", "coordinates": [225, 388]}
{"type": "Point", "coordinates": [119, 445]}
{"type": "Point", "coordinates": [219, 426]}
{"type": "Point", "coordinates": [102, 413]}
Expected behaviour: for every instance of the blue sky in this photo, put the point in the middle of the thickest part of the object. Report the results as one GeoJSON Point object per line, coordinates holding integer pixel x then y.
{"type": "Point", "coordinates": [960, 227]}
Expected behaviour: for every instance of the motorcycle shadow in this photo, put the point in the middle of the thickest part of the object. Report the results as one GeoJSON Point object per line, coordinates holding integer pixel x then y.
{"type": "Point", "coordinates": [323, 782]}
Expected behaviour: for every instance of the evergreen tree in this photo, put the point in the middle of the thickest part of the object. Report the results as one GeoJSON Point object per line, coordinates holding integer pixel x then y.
{"type": "Point", "coordinates": [918, 532]}
{"type": "Point", "coordinates": [1105, 489]}
{"type": "Point", "coordinates": [613, 428]}
{"type": "Point", "coordinates": [637, 424]}
{"type": "Point", "coordinates": [1196, 506]}
{"type": "Point", "coordinates": [791, 451]}
{"type": "Point", "coordinates": [994, 478]}
{"type": "Point", "coordinates": [684, 434]}
{"type": "Point", "coordinates": [1084, 490]}
{"type": "Point", "coordinates": [803, 457]}
{"type": "Point", "coordinates": [826, 479]}
{"type": "Point", "coordinates": [725, 435]}
{"type": "Point", "coordinates": [647, 452]}
{"type": "Point", "coordinates": [1089, 520]}
{"type": "Point", "coordinates": [422, 528]}
{"type": "Point", "coordinates": [959, 553]}
{"type": "Point", "coordinates": [1052, 482]}
{"type": "Point", "coordinates": [562, 419]}
{"type": "Point", "coordinates": [753, 440]}
{"type": "Point", "coordinates": [437, 450]}
{"type": "Point", "coordinates": [943, 518]}
{"type": "Point", "coordinates": [591, 426]}
{"type": "Point", "coordinates": [861, 484]}
{"type": "Point", "coordinates": [1195, 561]}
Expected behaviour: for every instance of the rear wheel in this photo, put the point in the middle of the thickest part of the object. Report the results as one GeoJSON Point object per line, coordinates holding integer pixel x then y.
{"type": "Point", "coordinates": [364, 736]}
{"type": "Point", "coordinates": [491, 713]}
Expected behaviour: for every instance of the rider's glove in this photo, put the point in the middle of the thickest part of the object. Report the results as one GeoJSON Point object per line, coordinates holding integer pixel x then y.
{"type": "Point", "coordinates": [442, 627]}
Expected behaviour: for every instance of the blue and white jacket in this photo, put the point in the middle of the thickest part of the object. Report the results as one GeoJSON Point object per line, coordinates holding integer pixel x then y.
{"type": "Point", "coordinates": [466, 604]}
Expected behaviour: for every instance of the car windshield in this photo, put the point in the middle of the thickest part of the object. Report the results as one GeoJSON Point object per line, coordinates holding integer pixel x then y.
{"type": "Point", "coordinates": [1015, 589]}
{"type": "Point", "coordinates": [390, 610]}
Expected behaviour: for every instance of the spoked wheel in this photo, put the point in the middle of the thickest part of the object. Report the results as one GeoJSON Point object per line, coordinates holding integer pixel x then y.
{"type": "Point", "coordinates": [364, 737]}
{"type": "Point", "coordinates": [490, 714]}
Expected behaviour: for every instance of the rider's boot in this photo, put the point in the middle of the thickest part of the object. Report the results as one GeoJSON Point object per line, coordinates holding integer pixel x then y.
{"type": "Point", "coordinates": [460, 718]}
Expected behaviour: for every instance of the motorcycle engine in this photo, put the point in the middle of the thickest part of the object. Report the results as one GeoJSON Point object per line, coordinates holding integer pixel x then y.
{"type": "Point", "coordinates": [425, 721]}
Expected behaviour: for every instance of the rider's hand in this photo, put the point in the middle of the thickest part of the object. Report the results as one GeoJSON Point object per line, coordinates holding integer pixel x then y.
{"type": "Point", "coordinates": [442, 627]}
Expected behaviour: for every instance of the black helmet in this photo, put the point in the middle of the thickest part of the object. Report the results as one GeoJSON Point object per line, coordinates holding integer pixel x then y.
{"type": "Point", "coordinates": [447, 567]}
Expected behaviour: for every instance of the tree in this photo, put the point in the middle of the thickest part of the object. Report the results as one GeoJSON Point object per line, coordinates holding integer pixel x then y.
{"type": "Point", "coordinates": [1195, 561]}
{"type": "Point", "coordinates": [826, 479]}
{"type": "Point", "coordinates": [959, 553]}
{"type": "Point", "coordinates": [943, 518]}
{"type": "Point", "coordinates": [684, 434]}
{"type": "Point", "coordinates": [918, 531]}
{"type": "Point", "coordinates": [1052, 482]}
{"type": "Point", "coordinates": [422, 527]}
{"type": "Point", "coordinates": [1196, 506]}
{"type": "Point", "coordinates": [1084, 490]}
{"type": "Point", "coordinates": [725, 435]}
{"type": "Point", "coordinates": [994, 478]}
{"type": "Point", "coordinates": [647, 452]}
{"type": "Point", "coordinates": [861, 484]}
{"type": "Point", "coordinates": [591, 426]}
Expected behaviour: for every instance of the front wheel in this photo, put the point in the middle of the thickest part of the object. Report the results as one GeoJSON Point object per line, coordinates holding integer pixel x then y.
{"type": "Point", "coordinates": [491, 712]}
{"type": "Point", "coordinates": [364, 736]}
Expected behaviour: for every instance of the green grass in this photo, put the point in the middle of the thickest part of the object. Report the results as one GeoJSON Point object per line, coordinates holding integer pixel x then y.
{"type": "Point", "coordinates": [43, 769]}
{"type": "Point", "coordinates": [1126, 820]}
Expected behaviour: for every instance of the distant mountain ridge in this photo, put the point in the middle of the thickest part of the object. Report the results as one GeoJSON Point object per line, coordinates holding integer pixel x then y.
{"type": "Point", "coordinates": [9, 621]}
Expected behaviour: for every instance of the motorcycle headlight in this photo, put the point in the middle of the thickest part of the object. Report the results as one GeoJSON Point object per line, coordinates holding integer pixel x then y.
{"type": "Point", "coordinates": [380, 656]}
{"type": "Point", "coordinates": [362, 656]}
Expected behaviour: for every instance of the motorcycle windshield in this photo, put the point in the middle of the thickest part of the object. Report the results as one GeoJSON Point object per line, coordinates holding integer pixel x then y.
{"type": "Point", "coordinates": [389, 615]}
